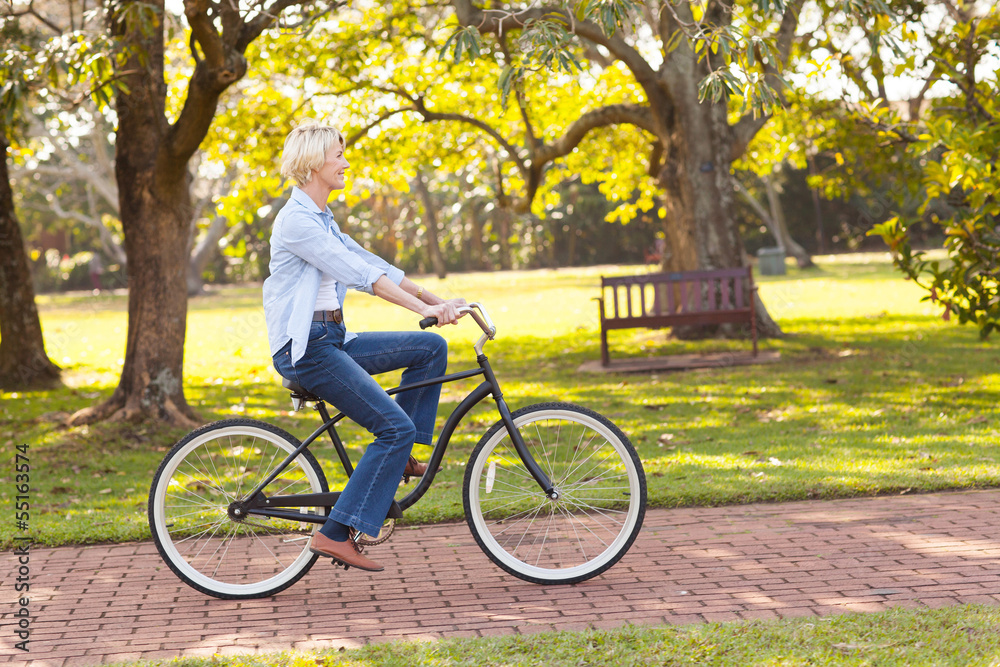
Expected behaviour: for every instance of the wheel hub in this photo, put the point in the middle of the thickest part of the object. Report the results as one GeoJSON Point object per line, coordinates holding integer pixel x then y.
{"type": "Point", "coordinates": [236, 511]}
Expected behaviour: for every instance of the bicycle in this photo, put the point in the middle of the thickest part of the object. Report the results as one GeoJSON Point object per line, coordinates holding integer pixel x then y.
{"type": "Point", "coordinates": [554, 493]}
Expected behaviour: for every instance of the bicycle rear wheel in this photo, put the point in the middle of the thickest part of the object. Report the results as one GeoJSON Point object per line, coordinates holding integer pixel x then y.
{"type": "Point", "coordinates": [211, 551]}
{"type": "Point", "coordinates": [601, 504]}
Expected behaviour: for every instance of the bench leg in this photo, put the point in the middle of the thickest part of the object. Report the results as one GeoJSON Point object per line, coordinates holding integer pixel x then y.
{"type": "Point", "coordinates": [605, 356]}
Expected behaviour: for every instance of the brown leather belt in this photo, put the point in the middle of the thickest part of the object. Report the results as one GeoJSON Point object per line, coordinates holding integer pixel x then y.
{"type": "Point", "coordinates": [336, 316]}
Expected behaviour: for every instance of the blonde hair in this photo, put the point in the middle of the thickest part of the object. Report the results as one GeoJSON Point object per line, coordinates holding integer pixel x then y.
{"type": "Point", "coordinates": [305, 150]}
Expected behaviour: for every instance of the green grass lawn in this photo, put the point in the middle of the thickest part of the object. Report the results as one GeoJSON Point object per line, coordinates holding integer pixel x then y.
{"type": "Point", "coordinates": [967, 636]}
{"type": "Point", "coordinates": [874, 394]}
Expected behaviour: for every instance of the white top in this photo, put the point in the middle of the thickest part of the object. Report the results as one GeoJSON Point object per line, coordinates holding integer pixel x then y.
{"type": "Point", "coordinates": [326, 297]}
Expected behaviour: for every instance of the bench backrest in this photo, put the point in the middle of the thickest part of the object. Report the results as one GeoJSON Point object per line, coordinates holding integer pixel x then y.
{"type": "Point", "coordinates": [687, 293]}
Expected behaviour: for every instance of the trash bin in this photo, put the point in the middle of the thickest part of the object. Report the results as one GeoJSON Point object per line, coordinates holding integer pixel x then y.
{"type": "Point", "coordinates": [771, 261]}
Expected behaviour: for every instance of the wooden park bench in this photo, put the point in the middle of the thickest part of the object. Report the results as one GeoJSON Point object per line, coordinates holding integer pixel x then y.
{"type": "Point", "coordinates": [658, 300]}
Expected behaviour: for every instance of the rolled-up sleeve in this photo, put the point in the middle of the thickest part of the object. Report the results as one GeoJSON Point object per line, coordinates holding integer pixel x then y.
{"type": "Point", "coordinates": [306, 237]}
{"type": "Point", "coordinates": [395, 275]}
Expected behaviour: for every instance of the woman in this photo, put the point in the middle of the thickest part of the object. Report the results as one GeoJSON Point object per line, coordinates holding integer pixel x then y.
{"type": "Point", "coordinates": [312, 265]}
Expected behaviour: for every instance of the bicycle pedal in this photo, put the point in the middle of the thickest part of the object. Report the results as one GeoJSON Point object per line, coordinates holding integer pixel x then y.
{"type": "Point", "coordinates": [406, 479]}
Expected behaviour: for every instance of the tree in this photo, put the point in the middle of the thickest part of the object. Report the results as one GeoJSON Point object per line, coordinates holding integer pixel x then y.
{"type": "Point", "coordinates": [52, 54]}
{"type": "Point", "coordinates": [23, 361]}
{"type": "Point", "coordinates": [152, 157]}
{"type": "Point", "coordinates": [956, 140]}
{"type": "Point", "coordinates": [774, 218]}
{"type": "Point", "coordinates": [75, 183]}
{"type": "Point", "coordinates": [376, 74]}
{"type": "Point", "coordinates": [691, 141]}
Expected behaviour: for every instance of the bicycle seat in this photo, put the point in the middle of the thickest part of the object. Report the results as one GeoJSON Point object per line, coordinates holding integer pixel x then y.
{"type": "Point", "coordinates": [298, 391]}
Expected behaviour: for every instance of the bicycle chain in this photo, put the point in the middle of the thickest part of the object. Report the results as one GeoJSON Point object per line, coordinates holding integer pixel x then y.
{"type": "Point", "coordinates": [383, 535]}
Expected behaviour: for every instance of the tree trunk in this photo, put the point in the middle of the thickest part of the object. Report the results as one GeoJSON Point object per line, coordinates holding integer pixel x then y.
{"type": "Point", "coordinates": [23, 361]}
{"type": "Point", "coordinates": [155, 222]}
{"type": "Point", "coordinates": [820, 234]}
{"type": "Point", "coordinates": [387, 213]}
{"type": "Point", "coordinates": [156, 210]}
{"type": "Point", "coordinates": [476, 223]}
{"type": "Point", "coordinates": [785, 239]}
{"type": "Point", "coordinates": [774, 220]}
{"type": "Point", "coordinates": [701, 230]}
{"type": "Point", "coordinates": [430, 227]}
{"type": "Point", "coordinates": [501, 217]}
{"type": "Point", "coordinates": [571, 245]}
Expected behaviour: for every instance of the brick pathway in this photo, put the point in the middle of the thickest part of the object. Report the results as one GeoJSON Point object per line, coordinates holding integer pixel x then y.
{"type": "Point", "coordinates": [106, 603]}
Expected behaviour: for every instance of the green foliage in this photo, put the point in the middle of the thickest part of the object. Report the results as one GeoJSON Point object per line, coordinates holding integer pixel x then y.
{"type": "Point", "coordinates": [70, 65]}
{"type": "Point", "coordinates": [957, 146]}
{"type": "Point", "coordinates": [739, 44]}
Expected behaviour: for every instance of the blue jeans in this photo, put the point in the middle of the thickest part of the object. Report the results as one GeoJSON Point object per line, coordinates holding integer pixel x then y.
{"type": "Point", "coordinates": [342, 375]}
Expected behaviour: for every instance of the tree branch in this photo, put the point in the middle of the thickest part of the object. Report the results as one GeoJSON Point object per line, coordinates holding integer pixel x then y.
{"type": "Point", "coordinates": [655, 158]}
{"type": "Point", "coordinates": [253, 28]}
{"type": "Point", "coordinates": [747, 127]}
{"type": "Point", "coordinates": [354, 138]}
{"type": "Point", "coordinates": [497, 22]}
{"type": "Point", "coordinates": [613, 114]}
{"type": "Point", "coordinates": [204, 33]}
{"type": "Point", "coordinates": [521, 102]}
{"type": "Point", "coordinates": [475, 122]}
{"type": "Point", "coordinates": [102, 178]}
{"type": "Point", "coordinates": [106, 240]}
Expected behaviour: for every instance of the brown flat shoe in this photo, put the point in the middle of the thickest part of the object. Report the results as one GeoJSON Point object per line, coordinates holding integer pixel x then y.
{"type": "Point", "coordinates": [346, 553]}
{"type": "Point", "coordinates": [414, 468]}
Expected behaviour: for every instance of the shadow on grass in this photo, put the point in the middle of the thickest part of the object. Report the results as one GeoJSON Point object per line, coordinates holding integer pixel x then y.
{"type": "Point", "coordinates": [869, 405]}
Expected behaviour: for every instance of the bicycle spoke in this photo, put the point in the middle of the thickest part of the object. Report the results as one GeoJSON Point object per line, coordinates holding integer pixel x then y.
{"type": "Point", "coordinates": [600, 513]}
{"type": "Point", "coordinates": [525, 533]}
{"type": "Point", "coordinates": [591, 523]}
{"type": "Point", "coordinates": [230, 536]}
{"type": "Point", "coordinates": [219, 480]}
{"type": "Point", "coordinates": [209, 483]}
{"type": "Point", "coordinates": [192, 493]}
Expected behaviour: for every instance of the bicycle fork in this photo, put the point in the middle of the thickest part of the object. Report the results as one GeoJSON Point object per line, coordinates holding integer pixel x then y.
{"type": "Point", "coordinates": [515, 435]}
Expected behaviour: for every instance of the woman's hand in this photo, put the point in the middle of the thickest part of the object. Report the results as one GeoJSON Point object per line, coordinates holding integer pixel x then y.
{"type": "Point", "coordinates": [446, 313]}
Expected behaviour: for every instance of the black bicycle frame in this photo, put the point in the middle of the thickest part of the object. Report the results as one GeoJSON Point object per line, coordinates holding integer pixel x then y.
{"type": "Point", "coordinates": [258, 504]}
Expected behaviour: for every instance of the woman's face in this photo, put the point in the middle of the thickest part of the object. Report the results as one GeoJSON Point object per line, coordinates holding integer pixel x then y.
{"type": "Point", "coordinates": [332, 172]}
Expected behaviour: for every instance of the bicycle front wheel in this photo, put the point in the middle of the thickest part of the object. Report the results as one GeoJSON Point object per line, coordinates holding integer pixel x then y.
{"type": "Point", "coordinates": [601, 486]}
{"type": "Point", "coordinates": [210, 550]}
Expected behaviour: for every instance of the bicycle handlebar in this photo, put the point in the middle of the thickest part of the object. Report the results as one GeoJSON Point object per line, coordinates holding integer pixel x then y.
{"type": "Point", "coordinates": [479, 314]}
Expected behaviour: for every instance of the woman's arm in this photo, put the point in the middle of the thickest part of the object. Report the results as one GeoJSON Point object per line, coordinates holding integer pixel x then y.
{"type": "Point", "coordinates": [425, 295]}
{"type": "Point", "coordinates": [427, 305]}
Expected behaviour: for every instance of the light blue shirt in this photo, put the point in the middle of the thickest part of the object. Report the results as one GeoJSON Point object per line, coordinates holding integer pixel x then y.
{"type": "Point", "coordinates": [305, 244]}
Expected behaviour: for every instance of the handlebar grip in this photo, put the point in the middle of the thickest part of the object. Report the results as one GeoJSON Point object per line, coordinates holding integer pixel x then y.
{"type": "Point", "coordinates": [428, 322]}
